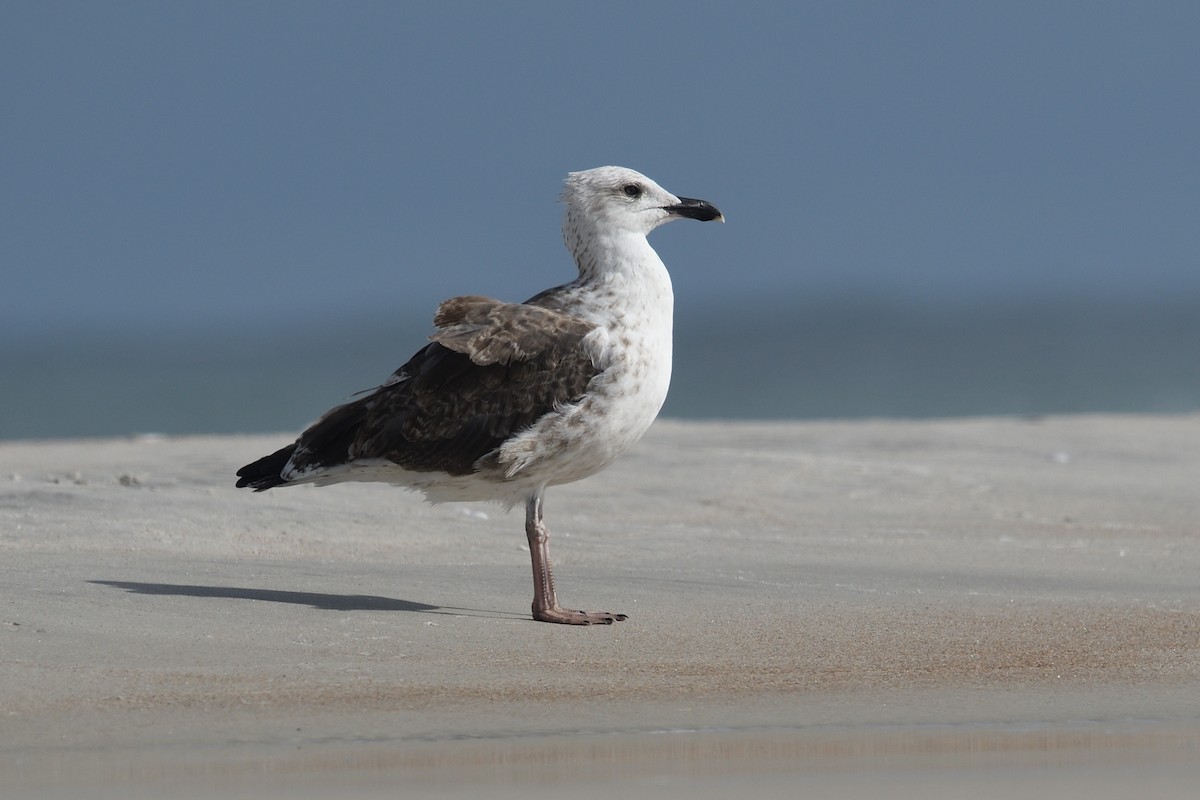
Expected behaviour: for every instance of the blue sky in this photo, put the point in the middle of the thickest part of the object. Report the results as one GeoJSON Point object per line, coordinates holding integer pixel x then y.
{"type": "Point", "coordinates": [203, 166]}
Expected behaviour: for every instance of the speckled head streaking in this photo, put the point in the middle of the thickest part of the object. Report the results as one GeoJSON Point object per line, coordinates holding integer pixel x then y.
{"type": "Point", "coordinates": [617, 201]}
{"type": "Point", "coordinates": [510, 398]}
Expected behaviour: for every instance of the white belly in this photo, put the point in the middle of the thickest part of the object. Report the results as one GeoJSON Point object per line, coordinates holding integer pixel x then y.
{"type": "Point", "coordinates": [583, 438]}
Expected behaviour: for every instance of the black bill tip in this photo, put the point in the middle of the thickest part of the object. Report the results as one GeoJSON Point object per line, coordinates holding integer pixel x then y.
{"type": "Point", "coordinates": [696, 209]}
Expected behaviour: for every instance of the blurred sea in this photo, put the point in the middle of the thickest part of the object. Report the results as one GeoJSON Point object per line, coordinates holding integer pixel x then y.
{"type": "Point", "coordinates": [783, 361]}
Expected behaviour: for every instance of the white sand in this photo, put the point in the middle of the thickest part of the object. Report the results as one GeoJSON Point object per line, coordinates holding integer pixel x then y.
{"type": "Point", "coordinates": [970, 607]}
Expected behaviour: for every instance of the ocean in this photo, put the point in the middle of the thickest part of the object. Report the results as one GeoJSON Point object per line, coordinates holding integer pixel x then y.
{"type": "Point", "coordinates": [822, 360]}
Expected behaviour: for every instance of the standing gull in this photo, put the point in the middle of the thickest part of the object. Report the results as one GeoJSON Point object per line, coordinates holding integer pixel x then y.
{"type": "Point", "coordinates": [509, 398]}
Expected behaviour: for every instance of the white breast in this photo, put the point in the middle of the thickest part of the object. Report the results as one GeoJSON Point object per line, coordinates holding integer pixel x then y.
{"type": "Point", "coordinates": [634, 352]}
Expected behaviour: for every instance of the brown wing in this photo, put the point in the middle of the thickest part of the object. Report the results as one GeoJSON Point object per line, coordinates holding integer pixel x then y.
{"type": "Point", "coordinates": [491, 370]}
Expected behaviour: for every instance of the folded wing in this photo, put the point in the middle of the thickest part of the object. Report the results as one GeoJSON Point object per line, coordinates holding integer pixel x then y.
{"type": "Point", "coordinates": [491, 370]}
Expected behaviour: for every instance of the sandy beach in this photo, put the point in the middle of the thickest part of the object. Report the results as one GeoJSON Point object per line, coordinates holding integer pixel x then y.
{"type": "Point", "coordinates": [924, 609]}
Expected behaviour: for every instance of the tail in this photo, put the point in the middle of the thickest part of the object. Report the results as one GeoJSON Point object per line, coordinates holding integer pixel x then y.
{"type": "Point", "coordinates": [265, 473]}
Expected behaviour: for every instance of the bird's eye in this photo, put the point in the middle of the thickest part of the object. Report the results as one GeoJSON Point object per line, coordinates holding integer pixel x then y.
{"type": "Point", "coordinates": [632, 190]}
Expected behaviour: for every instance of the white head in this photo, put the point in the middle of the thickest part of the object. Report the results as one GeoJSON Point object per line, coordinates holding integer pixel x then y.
{"type": "Point", "coordinates": [618, 200]}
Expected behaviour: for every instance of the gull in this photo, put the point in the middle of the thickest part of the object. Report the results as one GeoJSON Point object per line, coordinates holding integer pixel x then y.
{"type": "Point", "coordinates": [508, 399]}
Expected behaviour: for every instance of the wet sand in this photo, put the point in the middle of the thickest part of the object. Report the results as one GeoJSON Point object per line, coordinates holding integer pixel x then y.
{"type": "Point", "coordinates": [912, 608]}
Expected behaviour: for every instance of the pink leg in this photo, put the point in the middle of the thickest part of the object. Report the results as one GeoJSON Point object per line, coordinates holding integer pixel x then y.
{"type": "Point", "coordinates": [545, 602]}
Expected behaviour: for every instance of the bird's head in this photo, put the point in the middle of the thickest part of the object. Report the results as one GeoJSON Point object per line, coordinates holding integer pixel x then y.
{"type": "Point", "coordinates": [622, 200]}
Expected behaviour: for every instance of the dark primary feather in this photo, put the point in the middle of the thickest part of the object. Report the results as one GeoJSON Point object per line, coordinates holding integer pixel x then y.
{"type": "Point", "coordinates": [263, 474]}
{"type": "Point", "coordinates": [491, 370]}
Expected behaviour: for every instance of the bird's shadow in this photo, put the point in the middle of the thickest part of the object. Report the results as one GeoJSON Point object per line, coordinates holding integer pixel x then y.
{"type": "Point", "coordinates": [319, 600]}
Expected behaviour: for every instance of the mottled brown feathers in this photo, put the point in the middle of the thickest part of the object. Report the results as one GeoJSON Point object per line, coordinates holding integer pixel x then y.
{"type": "Point", "coordinates": [491, 332]}
{"type": "Point", "coordinates": [491, 370]}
